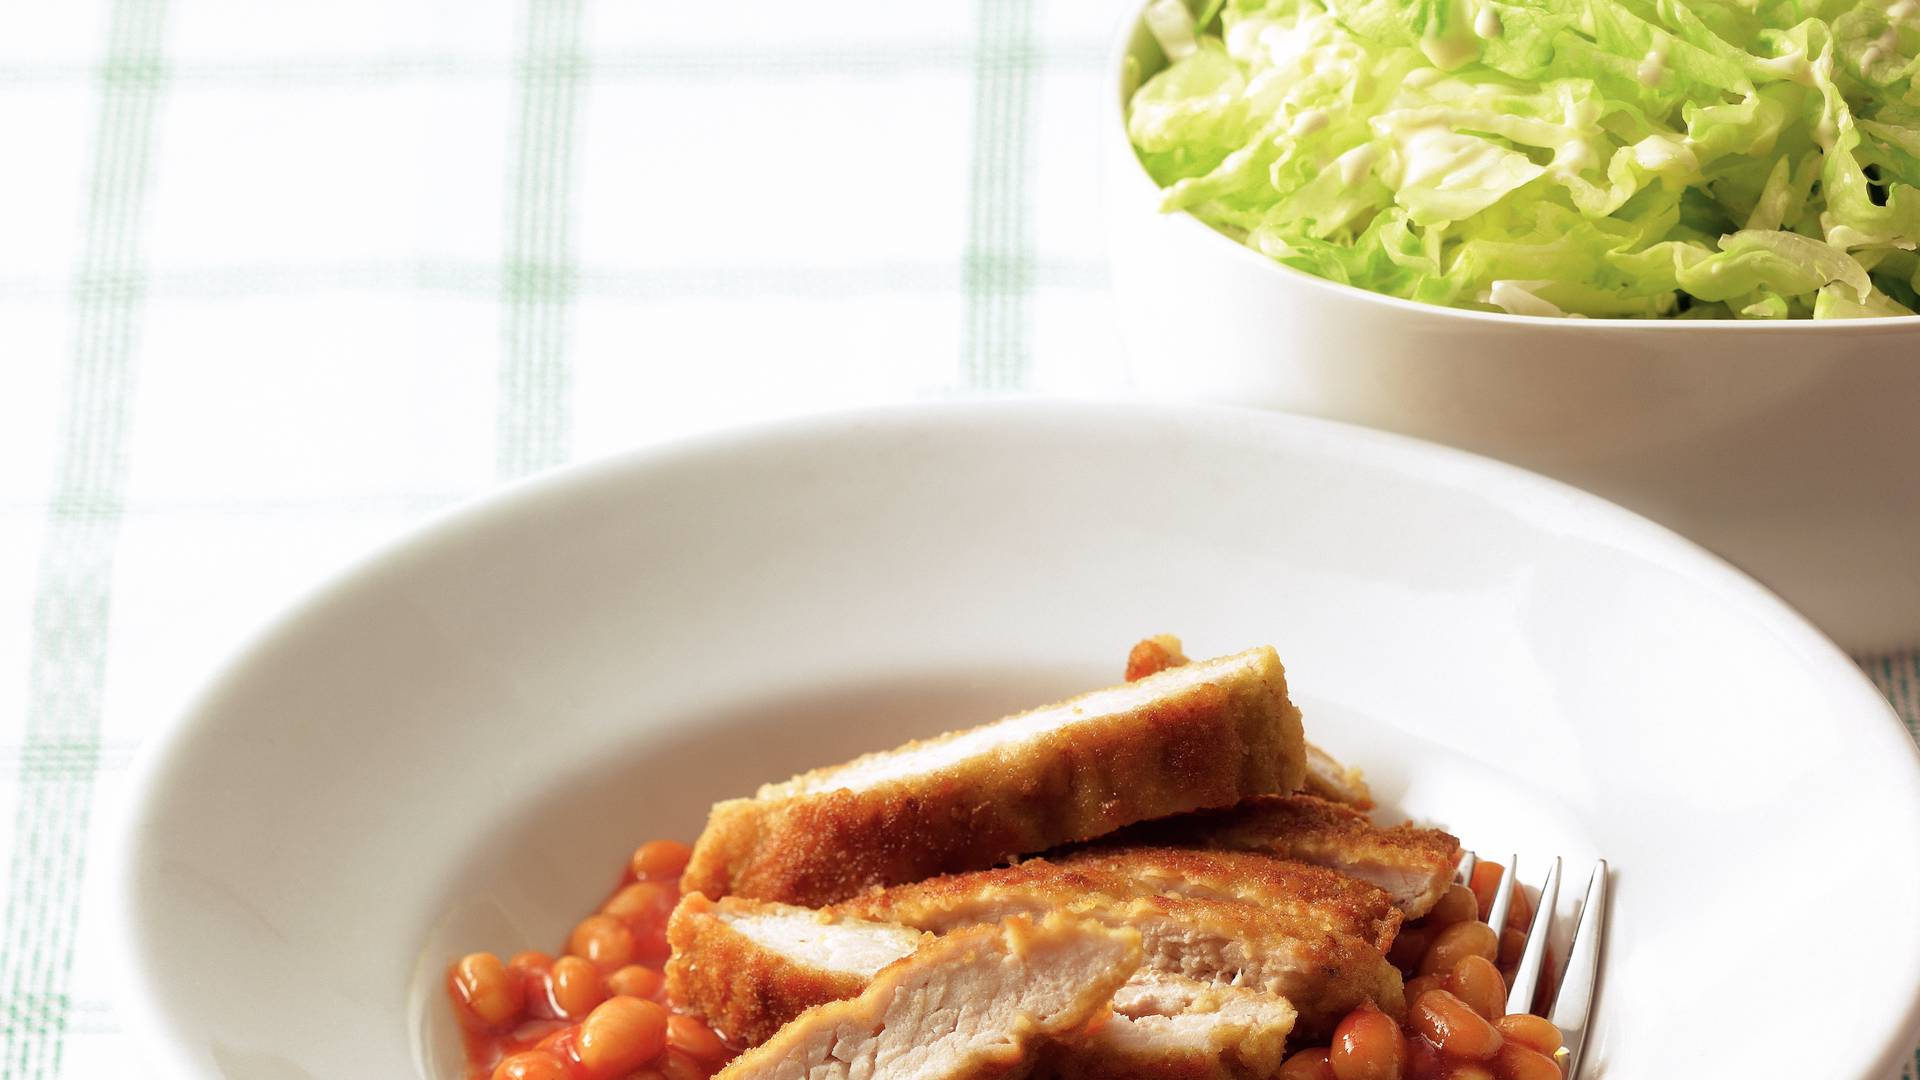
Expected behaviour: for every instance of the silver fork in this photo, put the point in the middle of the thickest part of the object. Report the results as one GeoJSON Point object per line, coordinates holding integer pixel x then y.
{"type": "Point", "coordinates": [1572, 1000]}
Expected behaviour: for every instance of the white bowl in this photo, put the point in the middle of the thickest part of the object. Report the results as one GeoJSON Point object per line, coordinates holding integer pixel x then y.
{"type": "Point", "coordinates": [1792, 449]}
{"type": "Point", "coordinates": [455, 746]}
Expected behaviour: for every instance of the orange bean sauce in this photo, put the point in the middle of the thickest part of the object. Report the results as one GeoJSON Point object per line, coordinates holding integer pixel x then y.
{"type": "Point", "coordinates": [598, 1010]}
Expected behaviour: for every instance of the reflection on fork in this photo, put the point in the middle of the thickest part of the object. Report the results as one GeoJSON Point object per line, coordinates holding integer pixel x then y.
{"type": "Point", "coordinates": [1568, 1003]}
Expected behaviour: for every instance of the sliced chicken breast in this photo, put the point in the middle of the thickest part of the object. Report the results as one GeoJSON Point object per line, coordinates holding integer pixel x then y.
{"type": "Point", "coordinates": [1328, 779]}
{"type": "Point", "coordinates": [1326, 776]}
{"type": "Point", "coordinates": [750, 966]}
{"type": "Point", "coordinates": [1220, 942]}
{"type": "Point", "coordinates": [1207, 734]}
{"type": "Point", "coordinates": [974, 1004]}
{"type": "Point", "coordinates": [1172, 1028]}
{"type": "Point", "coordinates": [1414, 865]}
{"type": "Point", "coordinates": [1328, 898]}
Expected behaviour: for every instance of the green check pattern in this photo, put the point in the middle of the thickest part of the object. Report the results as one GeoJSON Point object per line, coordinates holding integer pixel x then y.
{"type": "Point", "coordinates": [278, 281]}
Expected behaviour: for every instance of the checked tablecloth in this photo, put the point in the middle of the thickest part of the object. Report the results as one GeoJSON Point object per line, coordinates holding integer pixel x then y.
{"type": "Point", "coordinates": [277, 280]}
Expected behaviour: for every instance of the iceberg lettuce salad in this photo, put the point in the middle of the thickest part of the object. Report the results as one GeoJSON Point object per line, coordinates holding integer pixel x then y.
{"type": "Point", "coordinates": [1603, 158]}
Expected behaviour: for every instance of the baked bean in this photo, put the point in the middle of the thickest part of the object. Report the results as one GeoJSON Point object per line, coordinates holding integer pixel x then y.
{"type": "Point", "coordinates": [534, 969]}
{"type": "Point", "coordinates": [1533, 1032]}
{"type": "Point", "coordinates": [577, 987]}
{"type": "Point", "coordinates": [1486, 878]}
{"type": "Point", "coordinates": [1477, 982]}
{"type": "Point", "coordinates": [603, 939]}
{"type": "Point", "coordinates": [658, 859]}
{"type": "Point", "coordinates": [642, 900]}
{"type": "Point", "coordinates": [1451, 1025]}
{"type": "Point", "coordinates": [1151, 657]}
{"type": "Point", "coordinates": [689, 1035]}
{"type": "Point", "coordinates": [1520, 913]}
{"type": "Point", "coordinates": [1471, 1071]}
{"type": "Point", "coordinates": [1516, 1062]}
{"type": "Point", "coordinates": [1458, 905]}
{"type": "Point", "coordinates": [1457, 941]}
{"type": "Point", "coordinates": [531, 1065]}
{"type": "Point", "coordinates": [492, 997]}
{"type": "Point", "coordinates": [1367, 1046]}
{"type": "Point", "coordinates": [1512, 944]}
{"type": "Point", "coordinates": [1424, 983]}
{"type": "Point", "coordinates": [533, 1032]}
{"type": "Point", "coordinates": [635, 980]}
{"type": "Point", "coordinates": [1423, 1061]}
{"type": "Point", "coordinates": [620, 1036]}
{"type": "Point", "coordinates": [678, 1065]}
{"type": "Point", "coordinates": [562, 1042]}
{"type": "Point", "coordinates": [1309, 1064]}
{"type": "Point", "coordinates": [1409, 946]}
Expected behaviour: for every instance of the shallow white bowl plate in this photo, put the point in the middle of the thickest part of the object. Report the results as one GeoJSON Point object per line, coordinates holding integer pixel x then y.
{"type": "Point", "coordinates": [455, 747]}
{"type": "Point", "coordinates": [1789, 448]}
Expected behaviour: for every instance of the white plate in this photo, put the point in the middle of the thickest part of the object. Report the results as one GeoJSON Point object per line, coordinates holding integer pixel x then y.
{"type": "Point", "coordinates": [454, 747]}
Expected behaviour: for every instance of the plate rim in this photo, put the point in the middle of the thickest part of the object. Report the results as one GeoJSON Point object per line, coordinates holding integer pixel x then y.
{"type": "Point", "coordinates": [1532, 497]}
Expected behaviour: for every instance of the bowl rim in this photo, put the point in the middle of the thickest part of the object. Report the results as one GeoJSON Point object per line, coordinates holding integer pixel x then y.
{"type": "Point", "coordinates": [1132, 25]}
{"type": "Point", "coordinates": [1535, 497]}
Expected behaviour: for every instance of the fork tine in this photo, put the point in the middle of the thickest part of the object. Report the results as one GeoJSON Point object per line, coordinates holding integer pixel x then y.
{"type": "Point", "coordinates": [1503, 897]}
{"type": "Point", "coordinates": [1526, 978]}
{"type": "Point", "coordinates": [1575, 998]}
{"type": "Point", "coordinates": [1465, 874]}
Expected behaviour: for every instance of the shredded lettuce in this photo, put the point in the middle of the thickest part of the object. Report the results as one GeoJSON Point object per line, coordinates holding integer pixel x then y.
{"type": "Point", "coordinates": [1749, 159]}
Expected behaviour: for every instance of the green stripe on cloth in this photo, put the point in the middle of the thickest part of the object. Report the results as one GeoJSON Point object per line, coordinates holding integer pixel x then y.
{"type": "Point", "coordinates": [996, 337]}
{"type": "Point", "coordinates": [67, 671]}
{"type": "Point", "coordinates": [1898, 677]}
{"type": "Point", "coordinates": [534, 421]}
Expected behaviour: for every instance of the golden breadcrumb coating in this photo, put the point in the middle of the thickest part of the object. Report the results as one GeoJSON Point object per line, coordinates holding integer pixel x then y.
{"type": "Point", "coordinates": [1206, 735]}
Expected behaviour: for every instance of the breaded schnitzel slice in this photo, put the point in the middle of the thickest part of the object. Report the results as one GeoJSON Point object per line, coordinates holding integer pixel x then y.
{"type": "Point", "coordinates": [1169, 1027]}
{"type": "Point", "coordinates": [1414, 865]}
{"type": "Point", "coordinates": [973, 1004]}
{"type": "Point", "coordinates": [1326, 776]}
{"type": "Point", "coordinates": [1208, 734]}
{"type": "Point", "coordinates": [1332, 900]}
{"type": "Point", "coordinates": [750, 966]}
{"type": "Point", "coordinates": [1328, 779]}
{"type": "Point", "coordinates": [1323, 973]}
